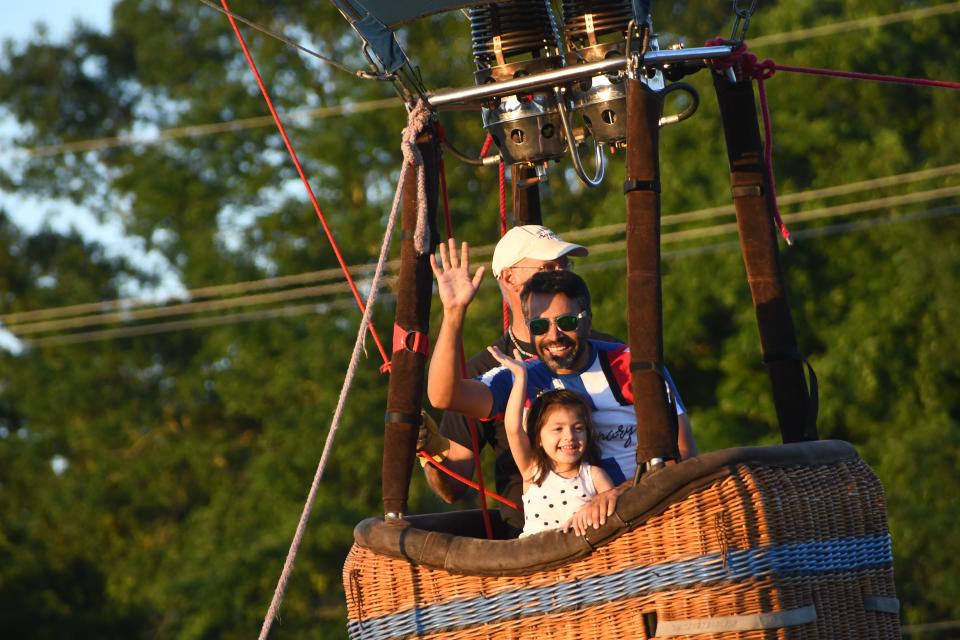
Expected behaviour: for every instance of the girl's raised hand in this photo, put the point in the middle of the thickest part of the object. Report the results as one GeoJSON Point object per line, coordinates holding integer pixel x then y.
{"type": "Point", "coordinates": [514, 364]}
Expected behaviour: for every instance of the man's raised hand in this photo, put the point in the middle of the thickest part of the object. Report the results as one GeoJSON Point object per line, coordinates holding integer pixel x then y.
{"type": "Point", "coordinates": [454, 283]}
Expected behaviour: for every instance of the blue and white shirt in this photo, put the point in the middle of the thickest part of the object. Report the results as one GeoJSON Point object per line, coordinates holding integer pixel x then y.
{"type": "Point", "coordinates": [605, 382]}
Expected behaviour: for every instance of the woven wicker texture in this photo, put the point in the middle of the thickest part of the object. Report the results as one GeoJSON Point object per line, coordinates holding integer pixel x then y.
{"type": "Point", "coordinates": [761, 540]}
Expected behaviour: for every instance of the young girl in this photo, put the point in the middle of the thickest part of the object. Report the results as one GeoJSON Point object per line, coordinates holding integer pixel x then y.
{"type": "Point", "coordinates": [557, 455]}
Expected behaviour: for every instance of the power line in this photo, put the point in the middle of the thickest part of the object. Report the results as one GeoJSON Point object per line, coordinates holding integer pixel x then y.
{"type": "Point", "coordinates": [129, 309]}
{"type": "Point", "coordinates": [192, 295]}
{"type": "Point", "coordinates": [854, 25]}
{"type": "Point", "coordinates": [21, 324]}
{"type": "Point", "coordinates": [817, 232]}
{"type": "Point", "coordinates": [194, 131]}
{"type": "Point", "coordinates": [180, 309]}
{"type": "Point", "coordinates": [608, 247]}
{"type": "Point", "coordinates": [193, 323]}
{"type": "Point", "coordinates": [803, 216]}
{"type": "Point", "coordinates": [126, 306]}
{"type": "Point", "coordinates": [199, 323]}
{"type": "Point", "coordinates": [912, 629]}
{"type": "Point", "coordinates": [788, 199]}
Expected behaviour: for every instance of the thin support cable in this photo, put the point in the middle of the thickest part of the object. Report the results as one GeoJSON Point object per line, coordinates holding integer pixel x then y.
{"type": "Point", "coordinates": [243, 123]}
{"type": "Point", "coordinates": [448, 221]}
{"type": "Point", "coordinates": [295, 45]}
{"type": "Point", "coordinates": [872, 77]}
{"type": "Point", "coordinates": [338, 412]}
{"type": "Point", "coordinates": [303, 176]}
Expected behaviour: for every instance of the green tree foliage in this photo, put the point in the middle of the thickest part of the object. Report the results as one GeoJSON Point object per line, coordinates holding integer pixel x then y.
{"type": "Point", "coordinates": [149, 486]}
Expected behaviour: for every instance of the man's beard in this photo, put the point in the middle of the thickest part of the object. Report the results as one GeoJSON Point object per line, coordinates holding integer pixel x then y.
{"type": "Point", "coordinates": [562, 362]}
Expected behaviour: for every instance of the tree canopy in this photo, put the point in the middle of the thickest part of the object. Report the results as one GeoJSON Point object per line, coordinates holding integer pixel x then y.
{"type": "Point", "coordinates": [152, 474]}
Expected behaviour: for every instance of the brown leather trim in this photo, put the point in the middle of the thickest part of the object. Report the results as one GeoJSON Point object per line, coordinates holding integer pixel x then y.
{"type": "Point", "coordinates": [451, 541]}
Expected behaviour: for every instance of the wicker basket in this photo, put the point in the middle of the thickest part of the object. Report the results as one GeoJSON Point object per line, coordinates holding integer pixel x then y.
{"type": "Point", "coordinates": [763, 542]}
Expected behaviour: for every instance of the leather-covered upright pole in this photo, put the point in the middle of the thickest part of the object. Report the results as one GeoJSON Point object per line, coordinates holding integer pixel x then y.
{"type": "Point", "coordinates": [656, 415]}
{"type": "Point", "coordinates": [411, 328]}
{"type": "Point", "coordinates": [796, 406]}
{"type": "Point", "coordinates": [526, 196]}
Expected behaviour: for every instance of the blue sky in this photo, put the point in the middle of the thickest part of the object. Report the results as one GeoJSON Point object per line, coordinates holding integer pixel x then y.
{"type": "Point", "coordinates": [19, 22]}
{"type": "Point", "coordinates": [19, 17]}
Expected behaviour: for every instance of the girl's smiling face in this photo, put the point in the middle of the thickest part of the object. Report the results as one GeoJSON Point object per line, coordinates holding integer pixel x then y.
{"type": "Point", "coordinates": [563, 437]}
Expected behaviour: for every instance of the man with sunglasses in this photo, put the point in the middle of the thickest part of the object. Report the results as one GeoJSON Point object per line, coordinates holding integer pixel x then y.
{"type": "Point", "coordinates": [557, 308]}
{"type": "Point", "coordinates": [522, 252]}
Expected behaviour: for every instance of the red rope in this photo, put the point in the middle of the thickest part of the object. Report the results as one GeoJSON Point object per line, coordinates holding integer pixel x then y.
{"type": "Point", "coordinates": [303, 177]}
{"type": "Point", "coordinates": [503, 214]}
{"type": "Point", "coordinates": [768, 161]}
{"type": "Point", "coordinates": [761, 71]}
{"type": "Point", "coordinates": [874, 77]}
{"type": "Point", "coordinates": [486, 145]}
{"type": "Point", "coordinates": [477, 463]}
{"type": "Point", "coordinates": [503, 230]}
{"type": "Point", "coordinates": [474, 436]}
{"type": "Point", "coordinates": [751, 67]}
{"type": "Point", "coordinates": [467, 481]}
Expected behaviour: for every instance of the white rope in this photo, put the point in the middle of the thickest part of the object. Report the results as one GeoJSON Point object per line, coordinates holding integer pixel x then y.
{"type": "Point", "coordinates": [417, 121]}
{"type": "Point", "coordinates": [416, 116]}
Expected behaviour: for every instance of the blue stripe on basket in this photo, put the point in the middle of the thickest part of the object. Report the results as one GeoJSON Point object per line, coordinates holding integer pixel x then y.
{"type": "Point", "coordinates": [809, 558]}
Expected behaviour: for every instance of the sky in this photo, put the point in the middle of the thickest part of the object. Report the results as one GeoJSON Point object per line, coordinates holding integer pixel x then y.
{"type": "Point", "coordinates": [19, 17]}
{"type": "Point", "coordinates": [19, 22]}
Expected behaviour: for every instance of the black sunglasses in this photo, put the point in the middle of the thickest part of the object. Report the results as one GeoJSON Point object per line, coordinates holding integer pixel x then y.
{"type": "Point", "coordinates": [566, 322]}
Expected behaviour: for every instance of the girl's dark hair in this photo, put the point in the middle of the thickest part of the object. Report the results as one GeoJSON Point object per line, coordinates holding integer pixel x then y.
{"type": "Point", "coordinates": [537, 416]}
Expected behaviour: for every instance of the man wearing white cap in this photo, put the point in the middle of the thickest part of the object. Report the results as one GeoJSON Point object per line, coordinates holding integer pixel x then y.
{"type": "Point", "coordinates": [520, 253]}
{"type": "Point", "coordinates": [557, 311]}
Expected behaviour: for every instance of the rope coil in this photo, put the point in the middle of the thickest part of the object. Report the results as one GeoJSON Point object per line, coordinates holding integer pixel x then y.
{"type": "Point", "coordinates": [417, 121]}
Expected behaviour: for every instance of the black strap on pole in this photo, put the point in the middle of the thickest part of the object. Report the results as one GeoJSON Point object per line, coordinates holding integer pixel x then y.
{"type": "Point", "coordinates": [796, 405]}
{"type": "Point", "coordinates": [656, 428]}
{"type": "Point", "coordinates": [414, 293]}
{"type": "Point", "coordinates": [526, 195]}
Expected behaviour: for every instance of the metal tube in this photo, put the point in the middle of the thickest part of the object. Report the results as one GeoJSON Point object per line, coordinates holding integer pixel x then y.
{"type": "Point", "coordinates": [459, 97]}
{"type": "Point", "coordinates": [526, 195]}
{"type": "Point", "coordinates": [656, 416]}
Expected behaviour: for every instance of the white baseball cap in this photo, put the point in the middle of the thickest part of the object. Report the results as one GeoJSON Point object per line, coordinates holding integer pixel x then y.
{"type": "Point", "coordinates": [531, 241]}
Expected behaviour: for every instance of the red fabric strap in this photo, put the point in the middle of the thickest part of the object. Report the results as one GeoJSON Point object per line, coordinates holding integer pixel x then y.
{"type": "Point", "coordinates": [415, 341]}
